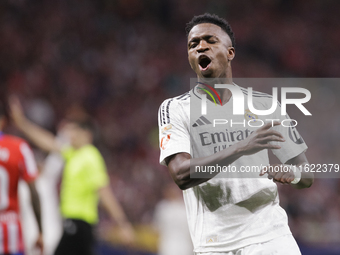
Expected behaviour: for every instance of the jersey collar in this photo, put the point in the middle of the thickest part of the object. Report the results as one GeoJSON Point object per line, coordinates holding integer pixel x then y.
{"type": "Point", "coordinates": [194, 90]}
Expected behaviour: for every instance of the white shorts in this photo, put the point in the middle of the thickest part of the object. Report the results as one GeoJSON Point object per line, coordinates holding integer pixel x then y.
{"type": "Point", "coordinates": [279, 246]}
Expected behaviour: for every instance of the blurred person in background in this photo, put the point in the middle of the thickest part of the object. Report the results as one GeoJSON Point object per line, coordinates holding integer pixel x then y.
{"type": "Point", "coordinates": [16, 162]}
{"type": "Point", "coordinates": [171, 223]}
{"type": "Point", "coordinates": [84, 180]}
{"type": "Point", "coordinates": [47, 184]}
{"type": "Point", "coordinates": [228, 215]}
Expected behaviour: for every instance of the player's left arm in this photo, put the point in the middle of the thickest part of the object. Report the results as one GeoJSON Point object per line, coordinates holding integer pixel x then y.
{"type": "Point", "coordinates": [307, 178]}
{"type": "Point", "coordinates": [292, 171]}
{"type": "Point", "coordinates": [41, 137]}
{"type": "Point", "coordinates": [292, 155]}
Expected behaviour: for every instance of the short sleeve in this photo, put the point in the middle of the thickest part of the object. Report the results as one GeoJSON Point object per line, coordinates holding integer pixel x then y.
{"type": "Point", "coordinates": [294, 143]}
{"type": "Point", "coordinates": [97, 171]}
{"type": "Point", "coordinates": [29, 167]}
{"type": "Point", "coordinates": [174, 136]}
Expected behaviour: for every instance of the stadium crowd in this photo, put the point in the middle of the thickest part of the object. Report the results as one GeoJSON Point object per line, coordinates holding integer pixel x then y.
{"type": "Point", "coordinates": [120, 59]}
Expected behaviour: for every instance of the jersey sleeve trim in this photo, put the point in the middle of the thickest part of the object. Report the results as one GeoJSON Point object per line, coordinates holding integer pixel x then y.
{"type": "Point", "coordinates": [173, 131]}
{"type": "Point", "coordinates": [164, 115]}
{"type": "Point", "coordinates": [291, 154]}
{"type": "Point", "coordinates": [171, 152]}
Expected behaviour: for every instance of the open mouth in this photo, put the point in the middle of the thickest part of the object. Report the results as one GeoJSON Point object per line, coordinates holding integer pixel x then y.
{"type": "Point", "coordinates": [204, 62]}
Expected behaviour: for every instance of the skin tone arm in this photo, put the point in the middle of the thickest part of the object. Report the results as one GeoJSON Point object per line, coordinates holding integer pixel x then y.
{"type": "Point", "coordinates": [42, 138]}
{"type": "Point", "coordinates": [179, 164]}
{"type": "Point", "coordinates": [37, 213]}
{"type": "Point", "coordinates": [112, 206]}
{"type": "Point", "coordinates": [307, 178]}
{"type": "Point", "coordinates": [287, 177]}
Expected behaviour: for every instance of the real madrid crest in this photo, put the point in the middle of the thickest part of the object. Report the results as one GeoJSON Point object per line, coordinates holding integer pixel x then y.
{"type": "Point", "coordinates": [248, 115]}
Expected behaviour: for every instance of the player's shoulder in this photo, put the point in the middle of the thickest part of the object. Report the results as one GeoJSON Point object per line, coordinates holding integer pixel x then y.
{"type": "Point", "coordinates": [13, 140]}
{"type": "Point", "coordinates": [258, 97]}
{"type": "Point", "coordinates": [92, 157]}
{"type": "Point", "coordinates": [92, 152]}
{"type": "Point", "coordinates": [174, 105]}
{"type": "Point", "coordinates": [255, 93]}
{"type": "Point", "coordinates": [177, 100]}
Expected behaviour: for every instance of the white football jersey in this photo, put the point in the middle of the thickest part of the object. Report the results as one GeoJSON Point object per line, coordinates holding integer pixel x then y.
{"type": "Point", "coordinates": [225, 214]}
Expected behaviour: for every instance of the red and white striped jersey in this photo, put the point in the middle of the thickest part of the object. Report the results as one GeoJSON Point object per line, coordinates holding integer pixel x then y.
{"type": "Point", "coordinates": [16, 162]}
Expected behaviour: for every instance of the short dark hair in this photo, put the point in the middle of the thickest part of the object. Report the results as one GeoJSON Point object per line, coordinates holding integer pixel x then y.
{"type": "Point", "coordinates": [213, 19]}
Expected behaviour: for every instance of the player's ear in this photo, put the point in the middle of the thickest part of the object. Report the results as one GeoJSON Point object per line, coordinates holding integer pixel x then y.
{"type": "Point", "coordinates": [231, 53]}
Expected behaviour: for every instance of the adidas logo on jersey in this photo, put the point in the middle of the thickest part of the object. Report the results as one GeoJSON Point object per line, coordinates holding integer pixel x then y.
{"type": "Point", "coordinates": [211, 239]}
{"type": "Point", "coordinates": [201, 121]}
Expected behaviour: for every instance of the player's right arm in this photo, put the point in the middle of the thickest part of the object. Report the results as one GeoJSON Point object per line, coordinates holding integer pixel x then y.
{"type": "Point", "coordinates": [42, 138]}
{"type": "Point", "coordinates": [179, 164]}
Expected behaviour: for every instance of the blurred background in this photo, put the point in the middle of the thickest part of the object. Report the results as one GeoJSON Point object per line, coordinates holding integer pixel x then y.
{"type": "Point", "coordinates": [119, 59]}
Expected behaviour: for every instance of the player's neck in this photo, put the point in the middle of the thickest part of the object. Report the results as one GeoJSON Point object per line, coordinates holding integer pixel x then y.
{"type": "Point", "coordinates": [81, 144]}
{"type": "Point", "coordinates": [224, 94]}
